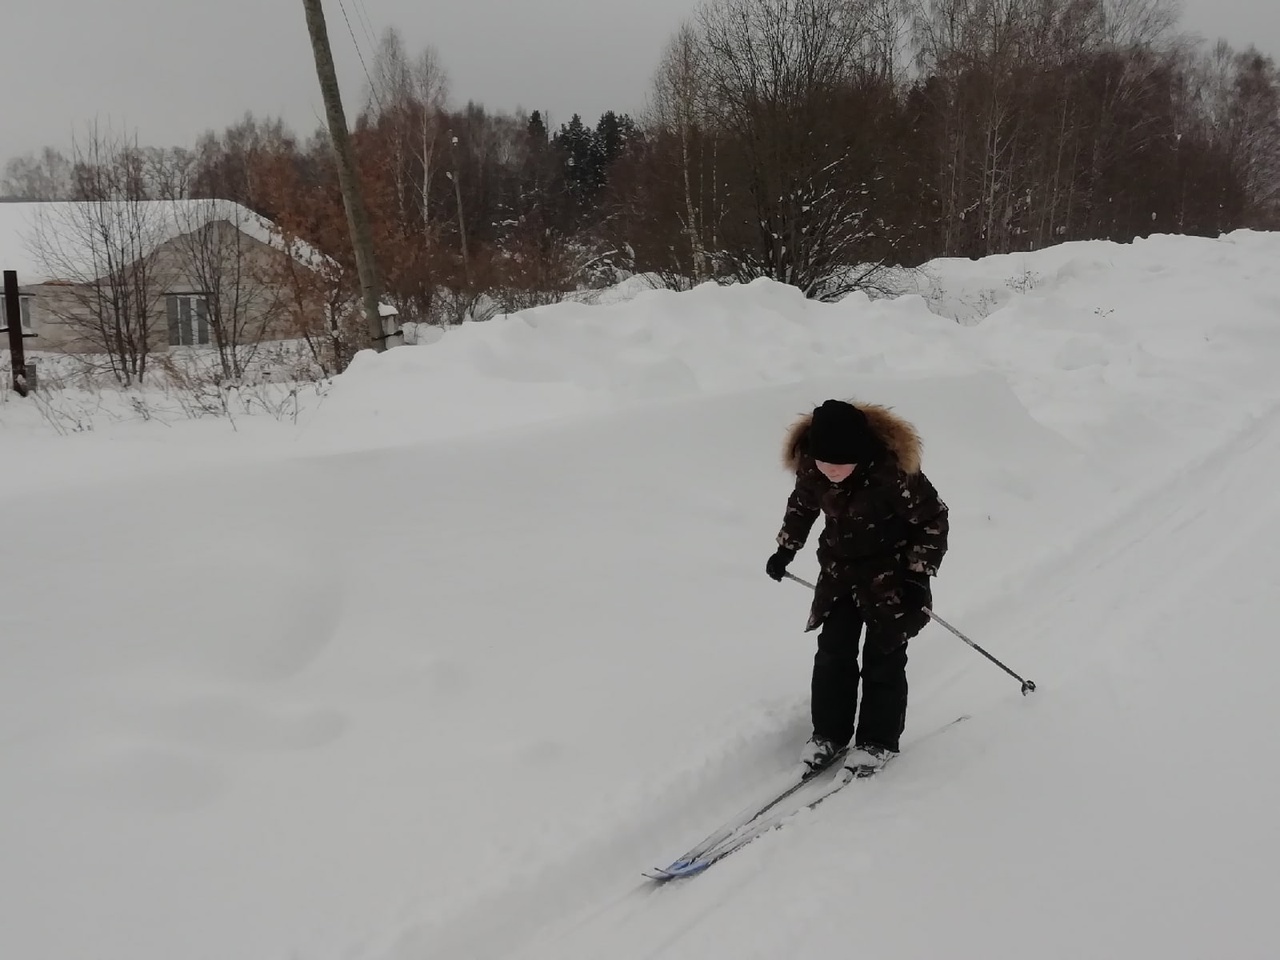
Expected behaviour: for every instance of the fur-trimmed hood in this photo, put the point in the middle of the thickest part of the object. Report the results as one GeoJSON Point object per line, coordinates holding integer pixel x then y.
{"type": "Point", "coordinates": [899, 437]}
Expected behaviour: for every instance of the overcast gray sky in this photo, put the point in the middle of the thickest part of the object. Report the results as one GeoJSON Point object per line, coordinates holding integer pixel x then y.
{"type": "Point", "coordinates": [173, 68]}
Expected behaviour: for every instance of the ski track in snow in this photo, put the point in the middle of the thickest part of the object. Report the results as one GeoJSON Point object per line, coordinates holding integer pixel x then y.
{"type": "Point", "coordinates": [1193, 538]}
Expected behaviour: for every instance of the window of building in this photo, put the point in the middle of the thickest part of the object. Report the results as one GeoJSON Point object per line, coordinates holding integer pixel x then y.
{"type": "Point", "coordinates": [25, 309]}
{"type": "Point", "coordinates": [188, 319]}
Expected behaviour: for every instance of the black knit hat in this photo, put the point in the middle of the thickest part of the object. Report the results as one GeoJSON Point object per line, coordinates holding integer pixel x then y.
{"type": "Point", "coordinates": [839, 433]}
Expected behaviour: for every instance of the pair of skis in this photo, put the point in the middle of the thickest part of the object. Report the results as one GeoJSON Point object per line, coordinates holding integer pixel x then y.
{"type": "Point", "coordinates": [756, 821]}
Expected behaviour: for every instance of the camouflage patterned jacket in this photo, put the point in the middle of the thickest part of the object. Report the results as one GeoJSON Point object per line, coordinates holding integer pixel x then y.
{"type": "Point", "coordinates": [885, 519]}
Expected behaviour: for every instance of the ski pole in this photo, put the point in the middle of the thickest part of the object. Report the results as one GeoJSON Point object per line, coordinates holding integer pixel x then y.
{"type": "Point", "coordinates": [1027, 685]}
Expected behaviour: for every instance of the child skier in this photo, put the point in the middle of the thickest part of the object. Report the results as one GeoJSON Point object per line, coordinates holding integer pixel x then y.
{"type": "Point", "coordinates": [885, 535]}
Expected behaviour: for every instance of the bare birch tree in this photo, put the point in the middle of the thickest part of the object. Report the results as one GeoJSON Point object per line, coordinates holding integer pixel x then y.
{"type": "Point", "coordinates": [677, 107]}
{"type": "Point", "coordinates": [103, 249]}
{"type": "Point", "coordinates": [411, 95]}
{"type": "Point", "coordinates": [220, 257]}
{"type": "Point", "coordinates": [782, 78]}
{"type": "Point", "coordinates": [1251, 133]}
{"type": "Point", "coordinates": [37, 176]}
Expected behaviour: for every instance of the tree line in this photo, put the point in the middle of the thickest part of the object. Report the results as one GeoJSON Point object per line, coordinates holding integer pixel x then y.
{"type": "Point", "coordinates": [809, 141]}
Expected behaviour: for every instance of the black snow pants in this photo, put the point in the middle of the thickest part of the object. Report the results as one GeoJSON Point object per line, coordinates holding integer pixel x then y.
{"type": "Point", "coordinates": [835, 681]}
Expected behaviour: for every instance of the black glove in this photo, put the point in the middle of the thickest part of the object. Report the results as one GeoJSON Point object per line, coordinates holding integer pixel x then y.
{"type": "Point", "coordinates": [776, 565]}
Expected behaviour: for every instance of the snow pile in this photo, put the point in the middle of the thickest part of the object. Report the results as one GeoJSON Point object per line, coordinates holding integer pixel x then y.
{"type": "Point", "coordinates": [439, 671]}
{"type": "Point", "coordinates": [79, 416]}
{"type": "Point", "coordinates": [1130, 349]}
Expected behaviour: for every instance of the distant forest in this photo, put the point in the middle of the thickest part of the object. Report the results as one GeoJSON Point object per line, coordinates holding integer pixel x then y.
{"type": "Point", "coordinates": [809, 141]}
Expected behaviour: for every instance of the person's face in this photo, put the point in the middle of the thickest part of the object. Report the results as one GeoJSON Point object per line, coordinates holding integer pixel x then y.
{"type": "Point", "coordinates": [835, 472]}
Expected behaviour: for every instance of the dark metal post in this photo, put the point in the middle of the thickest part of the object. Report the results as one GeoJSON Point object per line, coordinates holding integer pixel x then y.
{"type": "Point", "coordinates": [13, 314]}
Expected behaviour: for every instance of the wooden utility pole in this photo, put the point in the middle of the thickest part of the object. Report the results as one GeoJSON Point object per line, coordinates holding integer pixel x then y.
{"type": "Point", "coordinates": [462, 220]}
{"type": "Point", "coordinates": [13, 319]}
{"type": "Point", "coordinates": [357, 217]}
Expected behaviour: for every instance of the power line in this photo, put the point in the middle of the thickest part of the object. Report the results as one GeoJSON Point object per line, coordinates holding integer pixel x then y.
{"type": "Point", "coordinates": [366, 22]}
{"type": "Point", "coordinates": [372, 86]}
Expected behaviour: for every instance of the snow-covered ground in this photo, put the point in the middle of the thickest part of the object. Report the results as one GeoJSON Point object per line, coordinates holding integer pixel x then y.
{"type": "Point", "coordinates": [437, 670]}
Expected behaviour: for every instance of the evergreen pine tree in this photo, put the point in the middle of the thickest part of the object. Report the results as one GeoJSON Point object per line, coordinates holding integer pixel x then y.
{"type": "Point", "coordinates": [537, 128]}
{"type": "Point", "coordinates": [612, 135]}
{"type": "Point", "coordinates": [577, 147]}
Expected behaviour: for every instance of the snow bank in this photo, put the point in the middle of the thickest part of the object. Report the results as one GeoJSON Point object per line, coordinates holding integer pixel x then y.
{"type": "Point", "coordinates": [1127, 349]}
